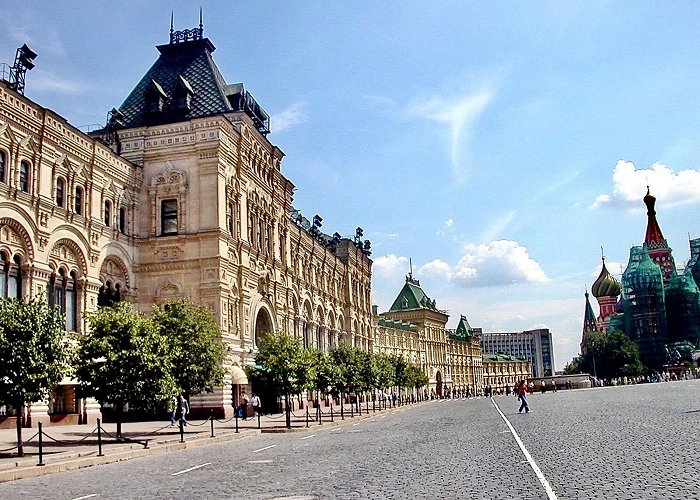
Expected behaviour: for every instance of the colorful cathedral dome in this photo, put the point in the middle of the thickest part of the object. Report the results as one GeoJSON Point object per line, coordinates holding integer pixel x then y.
{"type": "Point", "coordinates": [647, 276]}
{"type": "Point", "coordinates": [606, 285]}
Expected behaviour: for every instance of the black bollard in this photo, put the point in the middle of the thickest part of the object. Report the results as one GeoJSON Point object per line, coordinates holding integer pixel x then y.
{"type": "Point", "coordinates": [332, 413]}
{"type": "Point", "coordinates": [342, 415]}
{"type": "Point", "coordinates": [211, 419]}
{"type": "Point", "coordinates": [236, 414]}
{"type": "Point", "coordinates": [374, 406]}
{"type": "Point", "coordinates": [307, 416]}
{"type": "Point", "coordinates": [258, 420]}
{"type": "Point", "coordinates": [99, 438]}
{"type": "Point", "coordinates": [366, 406]}
{"type": "Point", "coordinates": [182, 431]}
{"type": "Point", "coordinates": [352, 410]}
{"type": "Point", "coordinates": [41, 446]}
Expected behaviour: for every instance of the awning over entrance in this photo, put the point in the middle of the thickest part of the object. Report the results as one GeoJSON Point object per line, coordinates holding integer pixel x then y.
{"type": "Point", "coordinates": [238, 376]}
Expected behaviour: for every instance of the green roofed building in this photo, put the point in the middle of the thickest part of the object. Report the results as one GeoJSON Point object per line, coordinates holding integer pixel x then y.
{"type": "Point", "coordinates": [415, 329]}
{"type": "Point", "coordinates": [659, 306]}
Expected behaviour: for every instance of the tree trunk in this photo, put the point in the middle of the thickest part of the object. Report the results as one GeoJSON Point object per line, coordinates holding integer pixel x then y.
{"type": "Point", "coordinates": [20, 418]}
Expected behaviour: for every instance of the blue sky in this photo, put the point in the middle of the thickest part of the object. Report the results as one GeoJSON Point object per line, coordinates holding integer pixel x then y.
{"type": "Point", "coordinates": [498, 145]}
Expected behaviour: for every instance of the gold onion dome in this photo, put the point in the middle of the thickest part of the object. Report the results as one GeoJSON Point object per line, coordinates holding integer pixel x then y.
{"type": "Point", "coordinates": [606, 285]}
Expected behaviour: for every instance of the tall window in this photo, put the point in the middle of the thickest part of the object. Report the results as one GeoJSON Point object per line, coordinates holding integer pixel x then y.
{"type": "Point", "coordinates": [79, 200]}
{"type": "Point", "coordinates": [122, 220]}
{"type": "Point", "coordinates": [24, 176]}
{"type": "Point", "coordinates": [2, 166]}
{"type": "Point", "coordinates": [60, 185]}
{"type": "Point", "coordinates": [168, 217]}
{"type": "Point", "coordinates": [10, 277]}
{"type": "Point", "coordinates": [108, 213]}
{"type": "Point", "coordinates": [64, 295]}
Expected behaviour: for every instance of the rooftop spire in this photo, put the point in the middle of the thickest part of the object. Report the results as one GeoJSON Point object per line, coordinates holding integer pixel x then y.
{"type": "Point", "coordinates": [186, 35]}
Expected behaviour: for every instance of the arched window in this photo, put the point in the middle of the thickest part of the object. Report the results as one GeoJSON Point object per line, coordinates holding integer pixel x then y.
{"type": "Point", "coordinates": [3, 162]}
{"type": "Point", "coordinates": [60, 188]}
{"type": "Point", "coordinates": [24, 176]}
{"type": "Point", "coordinates": [108, 213]}
{"type": "Point", "coordinates": [14, 278]}
{"type": "Point", "coordinates": [122, 220]}
{"type": "Point", "coordinates": [78, 200]}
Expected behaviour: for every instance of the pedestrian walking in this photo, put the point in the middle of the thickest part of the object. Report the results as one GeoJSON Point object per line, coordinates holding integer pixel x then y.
{"type": "Point", "coordinates": [255, 400]}
{"type": "Point", "coordinates": [522, 396]}
{"type": "Point", "coordinates": [172, 409]}
{"type": "Point", "coordinates": [182, 408]}
{"type": "Point", "coordinates": [243, 408]}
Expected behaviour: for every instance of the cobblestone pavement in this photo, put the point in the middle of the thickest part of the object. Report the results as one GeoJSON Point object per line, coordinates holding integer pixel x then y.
{"type": "Point", "coordinates": [613, 443]}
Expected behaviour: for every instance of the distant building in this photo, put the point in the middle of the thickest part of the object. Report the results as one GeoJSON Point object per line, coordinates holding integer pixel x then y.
{"type": "Point", "coordinates": [414, 328]}
{"type": "Point", "coordinates": [503, 370]}
{"type": "Point", "coordinates": [534, 346]}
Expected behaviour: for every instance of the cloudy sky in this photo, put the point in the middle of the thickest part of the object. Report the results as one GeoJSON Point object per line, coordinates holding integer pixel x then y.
{"type": "Point", "coordinates": [497, 146]}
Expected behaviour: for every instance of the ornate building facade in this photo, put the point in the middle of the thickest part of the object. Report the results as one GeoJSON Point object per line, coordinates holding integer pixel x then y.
{"type": "Point", "coordinates": [659, 305]}
{"type": "Point", "coordinates": [180, 195]}
{"type": "Point", "coordinates": [414, 328]}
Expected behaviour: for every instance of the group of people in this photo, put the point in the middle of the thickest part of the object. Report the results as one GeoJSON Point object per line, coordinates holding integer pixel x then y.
{"type": "Point", "coordinates": [242, 410]}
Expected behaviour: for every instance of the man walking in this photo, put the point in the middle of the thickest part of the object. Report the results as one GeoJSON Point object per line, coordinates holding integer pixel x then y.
{"type": "Point", "coordinates": [522, 396]}
{"type": "Point", "coordinates": [255, 401]}
{"type": "Point", "coordinates": [182, 409]}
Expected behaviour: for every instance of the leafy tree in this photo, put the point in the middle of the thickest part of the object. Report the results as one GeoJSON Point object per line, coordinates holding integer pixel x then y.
{"type": "Point", "coordinates": [195, 342]}
{"type": "Point", "coordinates": [400, 371]}
{"type": "Point", "coordinates": [124, 359]}
{"type": "Point", "coordinates": [290, 366]}
{"type": "Point", "coordinates": [346, 358]}
{"type": "Point", "coordinates": [415, 377]}
{"type": "Point", "coordinates": [35, 354]}
{"type": "Point", "coordinates": [608, 356]}
{"type": "Point", "coordinates": [385, 371]}
{"type": "Point", "coordinates": [367, 373]}
{"type": "Point", "coordinates": [327, 375]}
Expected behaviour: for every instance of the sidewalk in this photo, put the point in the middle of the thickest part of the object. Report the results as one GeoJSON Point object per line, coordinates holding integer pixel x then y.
{"type": "Point", "coordinates": [69, 447]}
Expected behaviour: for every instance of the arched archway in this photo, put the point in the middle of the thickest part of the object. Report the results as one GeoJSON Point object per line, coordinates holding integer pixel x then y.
{"type": "Point", "coordinates": [438, 384]}
{"type": "Point", "coordinates": [263, 325]}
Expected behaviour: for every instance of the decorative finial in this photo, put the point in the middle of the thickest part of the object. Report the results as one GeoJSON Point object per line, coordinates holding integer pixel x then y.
{"type": "Point", "coordinates": [602, 254]}
{"type": "Point", "coordinates": [172, 18]}
{"type": "Point", "coordinates": [200, 18]}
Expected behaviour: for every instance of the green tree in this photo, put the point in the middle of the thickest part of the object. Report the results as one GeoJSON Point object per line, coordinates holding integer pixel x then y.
{"type": "Point", "coordinates": [124, 359]}
{"type": "Point", "coordinates": [415, 377]}
{"type": "Point", "coordinates": [608, 356]}
{"type": "Point", "coordinates": [346, 358]}
{"type": "Point", "coordinates": [400, 372]}
{"type": "Point", "coordinates": [35, 354]}
{"type": "Point", "coordinates": [327, 375]}
{"type": "Point", "coordinates": [195, 343]}
{"type": "Point", "coordinates": [385, 371]}
{"type": "Point", "coordinates": [290, 366]}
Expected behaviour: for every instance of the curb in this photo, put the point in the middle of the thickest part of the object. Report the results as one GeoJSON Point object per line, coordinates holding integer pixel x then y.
{"type": "Point", "coordinates": [81, 463]}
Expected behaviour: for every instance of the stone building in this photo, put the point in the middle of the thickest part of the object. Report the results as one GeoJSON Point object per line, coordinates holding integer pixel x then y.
{"type": "Point", "coordinates": [503, 370]}
{"type": "Point", "coordinates": [414, 328]}
{"type": "Point", "coordinates": [181, 194]}
{"type": "Point", "coordinates": [534, 346]}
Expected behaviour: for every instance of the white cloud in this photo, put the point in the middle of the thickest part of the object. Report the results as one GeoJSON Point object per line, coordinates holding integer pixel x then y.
{"type": "Point", "coordinates": [460, 113]}
{"type": "Point", "coordinates": [293, 115]}
{"type": "Point", "coordinates": [449, 222]}
{"type": "Point", "coordinates": [630, 184]}
{"type": "Point", "coordinates": [388, 267]}
{"type": "Point", "coordinates": [497, 263]}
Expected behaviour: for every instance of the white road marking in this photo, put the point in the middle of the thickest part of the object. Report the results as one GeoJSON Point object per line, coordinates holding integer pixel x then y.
{"type": "Point", "coordinates": [260, 462]}
{"type": "Point", "coordinates": [308, 437]}
{"type": "Point", "coordinates": [547, 487]}
{"type": "Point", "coordinates": [190, 469]}
{"type": "Point", "coordinates": [86, 496]}
{"type": "Point", "coordinates": [383, 416]}
{"type": "Point", "coordinates": [358, 423]}
{"type": "Point", "coordinates": [266, 448]}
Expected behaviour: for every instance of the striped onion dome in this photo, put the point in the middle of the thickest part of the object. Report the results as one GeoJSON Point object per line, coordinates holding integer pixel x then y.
{"type": "Point", "coordinates": [606, 285]}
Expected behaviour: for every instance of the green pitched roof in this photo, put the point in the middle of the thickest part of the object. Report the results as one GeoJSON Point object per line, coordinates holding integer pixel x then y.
{"type": "Point", "coordinates": [412, 296]}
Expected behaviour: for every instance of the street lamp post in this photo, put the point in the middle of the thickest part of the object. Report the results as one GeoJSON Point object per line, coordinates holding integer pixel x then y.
{"type": "Point", "coordinates": [595, 373]}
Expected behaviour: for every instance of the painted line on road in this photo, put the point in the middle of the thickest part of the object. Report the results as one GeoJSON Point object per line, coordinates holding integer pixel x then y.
{"type": "Point", "coordinates": [308, 437]}
{"type": "Point", "coordinates": [383, 416]}
{"type": "Point", "coordinates": [190, 469]}
{"type": "Point", "coordinates": [266, 448]}
{"type": "Point", "coordinates": [260, 462]}
{"type": "Point", "coordinates": [547, 487]}
{"type": "Point", "coordinates": [86, 496]}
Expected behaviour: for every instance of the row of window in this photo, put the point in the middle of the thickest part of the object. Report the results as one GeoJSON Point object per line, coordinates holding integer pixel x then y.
{"type": "Point", "coordinates": [78, 204]}
{"type": "Point", "coordinates": [24, 172]}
